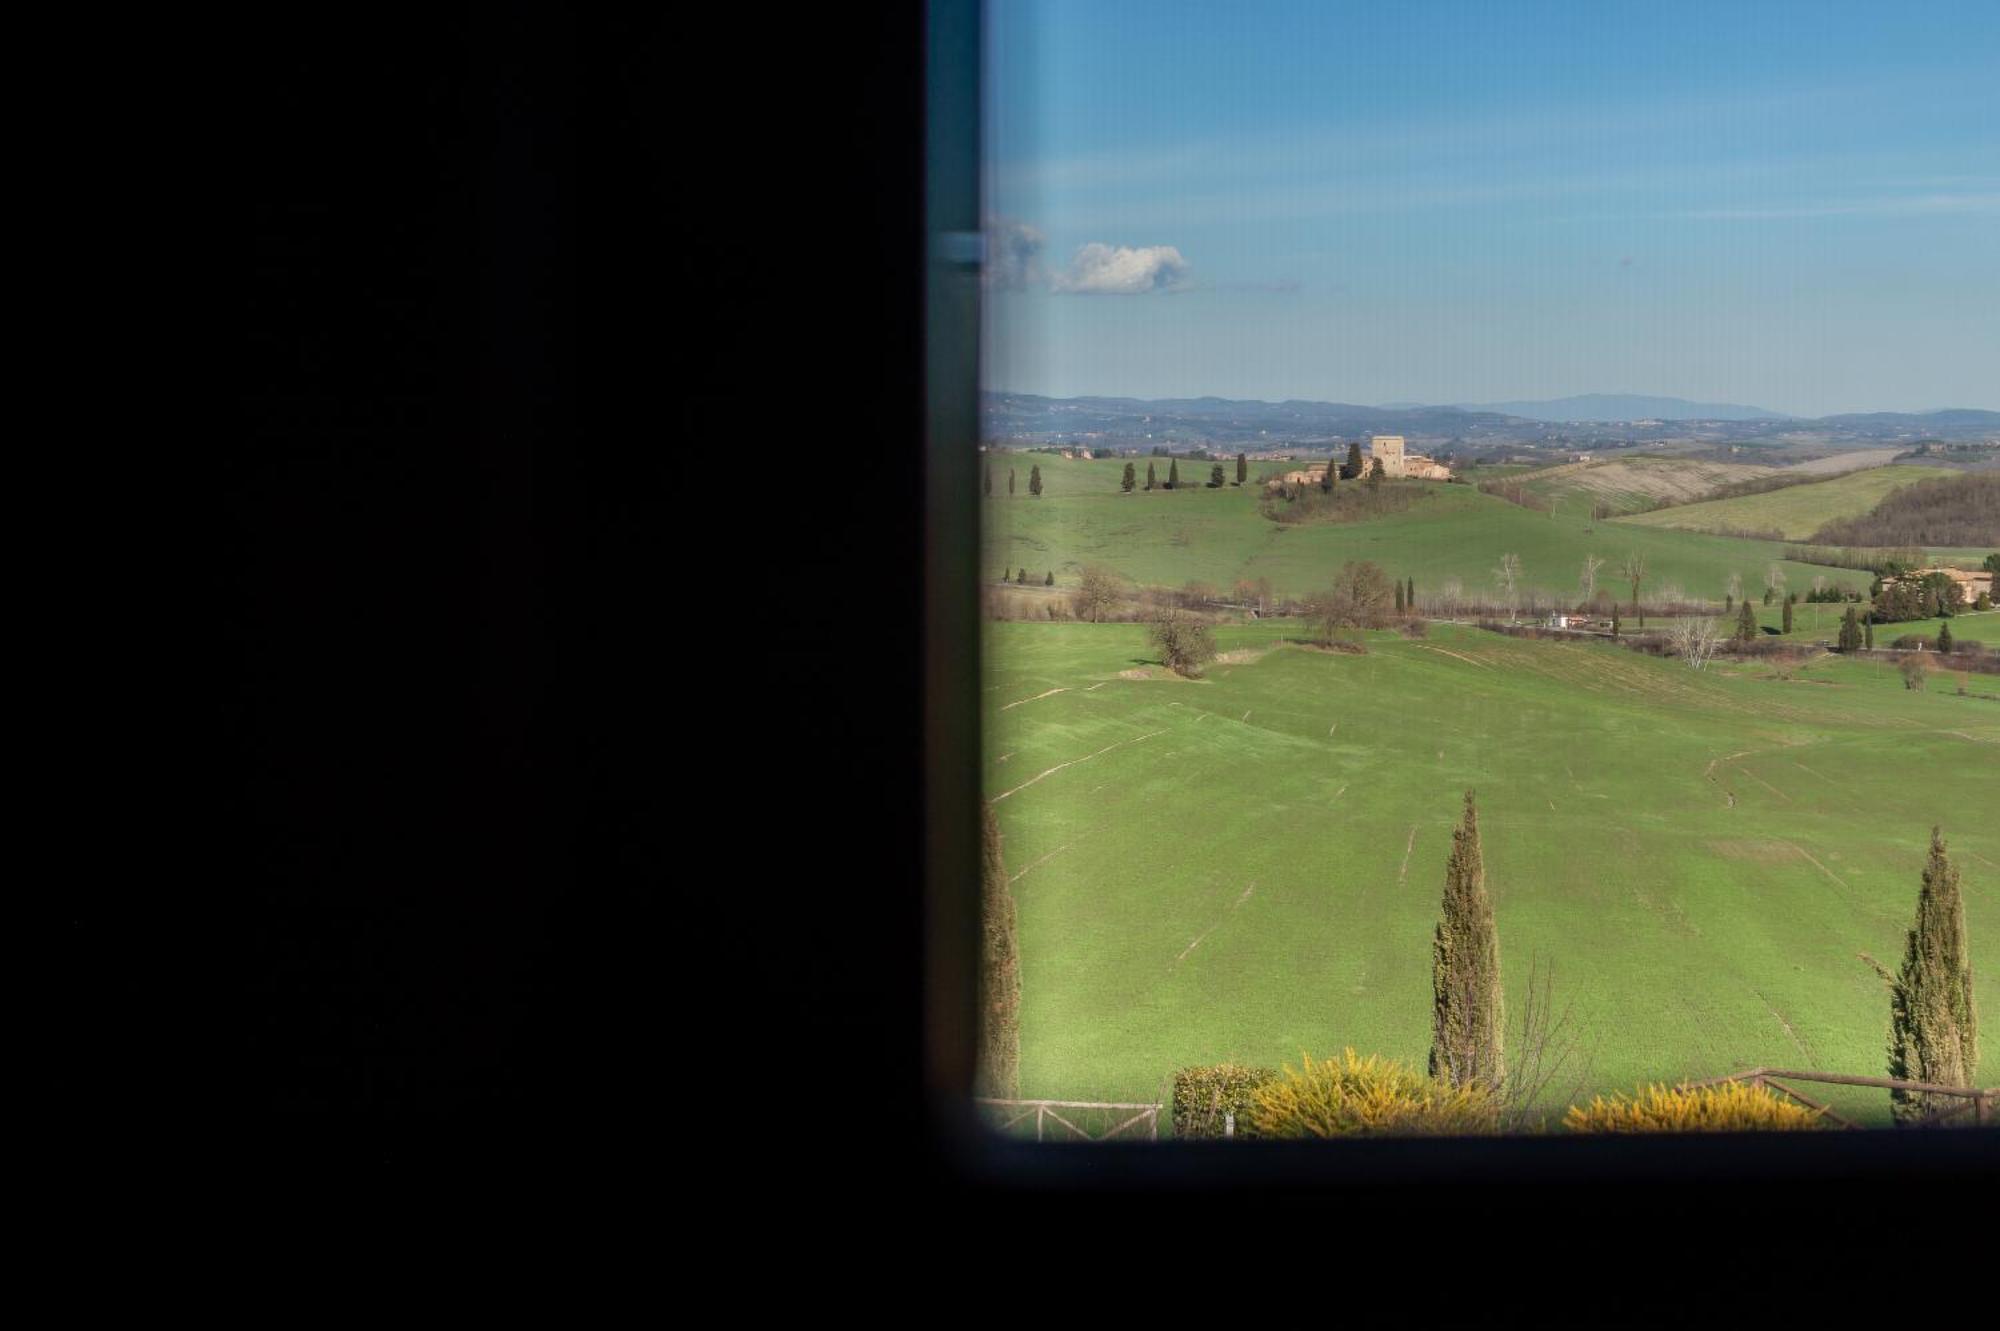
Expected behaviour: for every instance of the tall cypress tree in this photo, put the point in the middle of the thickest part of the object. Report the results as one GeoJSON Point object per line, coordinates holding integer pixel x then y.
{"type": "Point", "coordinates": [1010, 480]}
{"type": "Point", "coordinates": [1467, 1016]}
{"type": "Point", "coordinates": [1129, 480]}
{"type": "Point", "coordinates": [1933, 1027]}
{"type": "Point", "coordinates": [1332, 473]}
{"type": "Point", "coordinates": [1410, 594]}
{"type": "Point", "coordinates": [1035, 481]}
{"type": "Point", "coordinates": [1242, 468]}
{"type": "Point", "coordinates": [1399, 598]}
{"type": "Point", "coordinates": [1152, 478]}
{"type": "Point", "coordinates": [1746, 624]}
{"type": "Point", "coordinates": [1850, 630]}
{"type": "Point", "coordinates": [1788, 616]}
{"type": "Point", "coordinates": [1353, 467]}
{"type": "Point", "coordinates": [1173, 474]}
{"type": "Point", "coordinates": [1944, 638]}
{"type": "Point", "coordinates": [999, 972]}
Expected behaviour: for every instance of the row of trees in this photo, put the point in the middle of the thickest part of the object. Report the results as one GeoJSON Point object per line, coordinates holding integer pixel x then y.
{"type": "Point", "coordinates": [1216, 477]}
{"type": "Point", "coordinates": [1034, 480]}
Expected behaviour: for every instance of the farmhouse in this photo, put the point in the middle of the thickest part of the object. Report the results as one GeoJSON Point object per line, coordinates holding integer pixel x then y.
{"type": "Point", "coordinates": [1388, 449]}
{"type": "Point", "coordinates": [1971, 583]}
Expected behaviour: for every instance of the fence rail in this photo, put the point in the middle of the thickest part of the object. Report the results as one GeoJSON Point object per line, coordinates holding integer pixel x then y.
{"type": "Point", "coordinates": [1980, 1100]}
{"type": "Point", "coordinates": [1046, 1110]}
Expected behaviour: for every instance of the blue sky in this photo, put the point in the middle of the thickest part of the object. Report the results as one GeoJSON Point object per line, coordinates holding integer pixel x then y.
{"type": "Point", "coordinates": [1792, 206]}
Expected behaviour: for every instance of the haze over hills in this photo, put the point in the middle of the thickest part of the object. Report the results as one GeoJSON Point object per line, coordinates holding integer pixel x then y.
{"type": "Point", "coordinates": [1627, 407]}
{"type": "Point", "coordinates": [1134, 422]}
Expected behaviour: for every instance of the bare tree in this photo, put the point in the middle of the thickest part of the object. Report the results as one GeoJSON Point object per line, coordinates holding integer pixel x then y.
{"type": "Point", "coordinates": [1587, 583]}
{"type": "Point", "coordinates": [1453, 592]}
{"type": "Point", "coordinates": [1098, 594]}
{"type": "Point", "coordinates": [1358, 599]}
{"type": "Point", "coordinates": [1695, 640]}
{"type": "Point", "coordinates": [1547, 1048]}
{"type": "Point", "coordinates": [1634, 571]}
{"type": "Point", "coordinates": [1774, 581]}
{"type": "Point", "coordinates": [1183, 641]}
{"type": "Point", "coordinates": [1734, 589]}
{"type": "Point", "coordinates": [1507, 575]}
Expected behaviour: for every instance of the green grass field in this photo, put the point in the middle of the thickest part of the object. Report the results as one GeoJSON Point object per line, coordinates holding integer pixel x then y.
{"type": "Point", "coordinates": [1167, 538]}
{"type": "Point", "coordinates": [1627, 484]}
{"type": "Point", "coordinates": [1249, 867]}
{"type": "Point", "coordinates": [1798, 511]}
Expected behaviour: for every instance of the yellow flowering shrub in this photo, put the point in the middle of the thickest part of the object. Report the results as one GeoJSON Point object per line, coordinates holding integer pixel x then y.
{"type": "Point", "coordinates": [1728, 1107]}
{"type": "Point", "coordinates": [1373, 1096]}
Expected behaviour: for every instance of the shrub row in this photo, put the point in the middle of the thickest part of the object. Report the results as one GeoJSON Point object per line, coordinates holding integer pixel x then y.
{"type": "Point", "coordinates": [1354, 1096]}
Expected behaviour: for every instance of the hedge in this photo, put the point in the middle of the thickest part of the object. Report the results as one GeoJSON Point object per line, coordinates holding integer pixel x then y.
{"type": "Point", "coordinates": [1203, 1096]}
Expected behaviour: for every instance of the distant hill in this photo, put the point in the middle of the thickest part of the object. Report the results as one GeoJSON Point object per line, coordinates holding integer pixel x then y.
{"type": "Point", "coordinates": [1627, 407]}
{"type": "Point", "coordinates": [1961, 417]}
{"type": "Point", "coordinates": [1129, 421]}
{"type": "Point", "coordinates": [1592, 421]}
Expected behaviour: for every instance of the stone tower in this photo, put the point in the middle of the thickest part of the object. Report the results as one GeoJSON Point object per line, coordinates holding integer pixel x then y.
{"type": "Point", "coordinates": [1389, 448]}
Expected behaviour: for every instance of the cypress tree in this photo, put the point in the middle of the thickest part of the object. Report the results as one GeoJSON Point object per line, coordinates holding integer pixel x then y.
{"type": "Point", "coordinates": [1242, 468]}
{"type": "Point", "coordinates": [1129, 480]}
{"type": "Point", "coordinates": [1152, 479]}
{"type": "Point", "coordinates": [1035, 481]}
{"type": "Point", "coordinates": [1332, 473]}
{"type": "Point", "coordinates": [999, 973]}
{"type": "Point", "coordinates": [1216, 480]}
{"type": "Point", "coordinates": [1022, 576]}
{"type": "Point", "coordinates": [1850, 630]}
{"type": "Point", "coordinates": [1353, 467]}
{"type": "Point", "coordinates": [1173, 474]}
{"type": "Point", "coordinates": [1788, 616]}
{"type": "Point", "coordinates": [1466, 1009]}
{"type": "Point", "coordinates": [1010, 480]}
{"type": "Point", "coordinates": [1933, 1027]}
{"type": "Point", "coordinates": [1399, 598]}
{"type": "Point", "coordinates": [1050, 581]}
{"type": "Point", "coordinates": [1410, 594]}
{"type": "Point", "coordinates": [1944, 638]}
{"type": "Point", "coordinates": [1746, 624]}
{"type": "Point", "coordinates": [1375, 474]}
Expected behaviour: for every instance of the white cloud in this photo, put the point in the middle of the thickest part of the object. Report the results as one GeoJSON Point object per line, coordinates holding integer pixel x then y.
{"type": "Point", "coordinates": [1122, 270]}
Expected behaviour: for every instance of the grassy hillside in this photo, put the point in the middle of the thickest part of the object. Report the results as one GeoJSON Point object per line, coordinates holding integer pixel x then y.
{"type": "Point", "coordinates": [1167, 538]}
{"type": "Point", "coordinates": [1798, 511]}
{"type": "Point", "coordinates": [1630, 484]}
{"type": "Point", "coordinates": [1249, 867]}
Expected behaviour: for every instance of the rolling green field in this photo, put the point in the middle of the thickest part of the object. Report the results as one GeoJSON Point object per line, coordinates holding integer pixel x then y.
{"type": "Point", "coordinates": [1248, 867]}
{"type": "Point", "coordinates": [1167, 538]}
{"type": "Point", "coordinates": [1798, 511]}
{"type": "Point", "coordinates": [1627, 484]}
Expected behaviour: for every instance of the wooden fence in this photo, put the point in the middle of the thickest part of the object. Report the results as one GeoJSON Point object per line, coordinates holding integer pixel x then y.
{"type": "Point", "coordinates": [1047, 1111]}
{"type": "Point", "coordinates": [1980, 1101]}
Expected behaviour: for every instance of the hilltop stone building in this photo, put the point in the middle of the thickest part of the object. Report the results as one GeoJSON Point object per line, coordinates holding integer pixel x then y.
{"type": "Point", "coordinates": [1396, 461]}
{"type": "Point", "coordinates": [1388, 449]}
